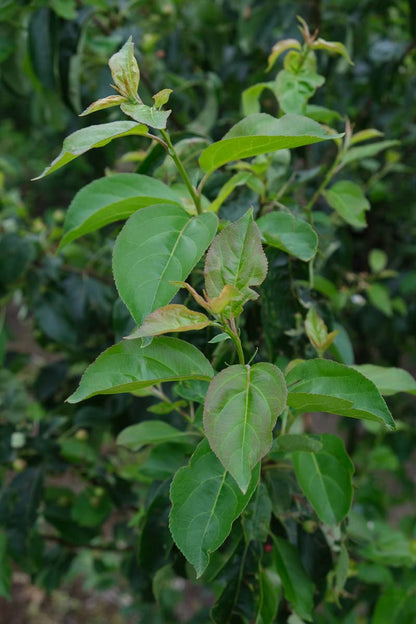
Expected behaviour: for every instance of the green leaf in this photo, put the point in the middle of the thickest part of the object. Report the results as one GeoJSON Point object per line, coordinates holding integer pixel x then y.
{"type": "Point", "coordinates": [125, 71]}
{"type": "Point", "coordinates": [388, 380]}
{"type": "Point", "coordinates": [111, 199]}
{"type": "Point", "coordinates": [317, 332]}
{"type": "Point", "coordinates": [85, 139]}
{"type": "Point", "coordinates": [292, 442]}
{"type": "Point", "coordinates": [294, 89]}
{"type": "Point", "coordinates": [102, 103]}
{"type": "Point", "coordinates": [146, 114]}
{"type": "Point", "coordinates": [150, 432]}
{"type": "Point", "coordinates": [365, 135]}
{"type": "Point", "coordinates": [5, 568]}
{"type": "Point", "coordinates": [236, 258]}
{"type": "Point", "coordinates": [205, 503]}
{"type": "Point", "coordinates": [377, 259]}
{"type": "Point", "coordinates": [325, 386]}
{"type": "Point", "coordinates": [127, 367]}
{"type": "Point", "coordinates": [279, 48]}
{"type": "Point", "coordinates": [238, 179]}
{"type": "Point", "coordinates": [326, 478]}
{"type": "Point", "coordinates": [241, 409]}
{"type": "Point", "coordinates": [331, 46]}
{"type": "Point", "coordinates": [251, 97]}
{"type": "Point", "coordinates": [257, 515]}
{"type": "Point", "coordinates": [162, 97]}
{"type": "Point", "coordinates": [260, 134]}
{"type": "Point", "coordinates": [89, 510]}
{"type": "Point", "coordinates": [380, 298]}
{"type": "Point", "coordinates": [297, 585]}
{"type": "Point", "coordinates": [171, 318]}
{"type": "Point", "coordinates": [287, 232]}
{"type": "Point", "coordinates": [396, 605]}
{"type": "Point", "coordinates": [349, 201]}
{"type": "Point", "coordinates": [366, 151]}
{"type": "Point", "coordinates": [270, 590]}
{"type": "Point", "coordinates": [322, 114]}
{"type": "Point", "coordinates": [158, 245]}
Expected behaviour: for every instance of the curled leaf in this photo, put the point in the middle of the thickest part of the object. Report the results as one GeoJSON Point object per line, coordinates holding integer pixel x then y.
{"type": "Point", "coordinates": [125, 71]}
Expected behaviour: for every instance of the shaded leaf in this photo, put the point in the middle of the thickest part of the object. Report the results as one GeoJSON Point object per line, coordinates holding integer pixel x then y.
{"type": "Point", "coordinates": [85, 139]}
{"type": "Point", "coordinates": [260, 134]}
{"type": "Point", "coordinates": [317, 332]}
{"type": "Point", "coordinates": [287, 232]}
{"type": "Point", "coordinates": [365, 135]}
{"type": "Point", "coordinates": [326, 386]}
{"type": "Point", "coordinates": [127, 367]}
{"type": "Point", "coordinates": [270, 590]}
{"type": "Point", "coordinates": [238, 179]}
{"type": "Point", "coordinates": [241, 409]}
{"type": "Point", "coordinates": [205, 502]}
{"type": "Point", "coordinates": [251, 97]}
{"type": "Point", "coordinates": [326, 478]}
{"type": "Point", "coordinates": [170, 318]}
{"type": "Point", "coordinates": [349, 201]}
{"type": "Point", "coordinates": [157, 246]}
{"type": "Point", "coordinates": [150, 432]}
{"type": "Point", "coordinates": [366, 151]}
{"type": "Point", "coordinates": [292, 442]}
{"type": "Point", "coordinates": [111, 199]}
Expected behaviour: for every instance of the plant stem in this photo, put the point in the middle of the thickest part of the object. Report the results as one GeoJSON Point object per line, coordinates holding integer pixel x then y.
{"type": "Point", "coordinates": [330, 173]}
{"type": "Point", "coordinates": [182, 171]}
{"type": "Point", "coordinates": [233, 334]}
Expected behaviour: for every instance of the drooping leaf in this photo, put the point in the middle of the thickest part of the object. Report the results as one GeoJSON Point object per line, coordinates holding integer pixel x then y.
{"type": "Point", "coordinates": [260, 134]}
{"type": "Point", "coordinates": [236, 258]}
{"type": "Point", "coordinates": [146, 114]}
{"type": "Point", "coordinates": [326, 478]}
{"type": "Point", "coordinates": [270, 591]}
{"type": "Point", "coordinates": [158, 245]}
{"type": "Point", "coordinates": [127, 367]}
{"type": "Point", "coordinates": [349, 201]}
{"type": "Point", "coordinates": [150, 432]}
{"type": "Point", "coordinates": [111, 199]}
{"type": "Point", "coordinates": [102, 103]}
{"type": "Point", "coordinates": [85, 139]}
{"type": "Point", "coordinates": [241, 409]}
{"type": "Point", "coordinates": [205, 502]}
{"type": "Point", "coordinates": [171, 318]}
{"type": "Point", "coordinates": [325, 386]}
{"type": "Point", "coordinates": [279, 48]}
{"type": "Point", "coordinates": [366, 151]}
{"type": "Point", "coordinates": [365, 135]}
{"type": "Point", "coordinates": [251, 97]}
{"type": "Point", "coordinates": [125, 71]}
{"type": "Point", "coordinates": [331, 46]}
{"type": "Point", "coordinates": [297, 585]}
{"type": "Point", "coordinates": [289, 233]}
{"type": "Point", "coordinates": [388, 380]}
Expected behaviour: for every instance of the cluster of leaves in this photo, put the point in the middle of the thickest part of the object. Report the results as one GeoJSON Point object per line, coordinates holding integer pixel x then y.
{"type": "Point", "coordinates": [267, 548]}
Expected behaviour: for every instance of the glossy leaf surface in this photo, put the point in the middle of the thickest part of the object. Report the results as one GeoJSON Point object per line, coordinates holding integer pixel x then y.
{"type": "Point", "coordinates": [290, 234]}
{"type": "Point", "coordinates": [127, 366]}
{"type": "Point", "coordinates": [205, 502]}
{"type": "Point", "coordinates": [326, 478]}
{"type": "Point", "coordinates": [236, 258]}
{"type": "Point", "coordinates": [261, 133]}
{"type": "Point", "coordinates": [85, 139]}
{"type": "Point", "coordinates": [158, 245]}
{"type": "Point", "coordinates": [110, 199]}
{"type": "Point", "coordinates": [241, 409]}
{"type": "Point", "coordinates": [326, 386]}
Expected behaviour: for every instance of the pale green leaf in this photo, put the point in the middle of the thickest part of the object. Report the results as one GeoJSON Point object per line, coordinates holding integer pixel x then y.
{"type": "Point", "coordinates": [125, 71]}
{"type": "Point", "coordinates": [326, 478]}
{"type": "Point", "coordinates": [146, 114]}
{"type": "Point", "coordinates": [111, 199]}
{"type": "Point", "coordinates": [279, 48]}
{"type": "Point", "coordinates": [205, 502]}
{"type": "Point", "coordinates": [322, 114]}
{"type": "Point", "coordinates": [290, 234]}
{"type": "Point", "coordinates": [158, 245]}
{"type": "Point", "coordinates": [127, 366]}
{"type": "Point", "coordinates": [241, 409]}
{"type": "Point", "coordinates": [388, 380]}
{"type": "Point", "coordinates": [325, 386]}
{"type": "Point", "coordinates": [236, 258]}
{"type": "Point", "coordinates": [297, 585]}
{"type": "Point", "coordinates": [365, 135]}
{"type": "Point", "coordinates": [349, 201]}
{"type": "Point", "coordinates": [366, 151]}
{"type": "Point", "coordinates": [171, 318]}
{"type": "Point", "coordinates": [251, 97]}
{"type": "Point", "coordinates": [162, 97]}
{"type": "Point", "coordinates": [294, 89]}
{"type": "Point", "coordinates": [102, 103]}
{"type": "Point", "coordinates": [377, 259]}
{"type": "Point", "coordinates": [260, 134]}
{"type": "Point", "coordinates": [332, 46]}
{"type": "Point", "coordinates": [150, 432]}
{"type": "Point", "coordinates": [85, 139]}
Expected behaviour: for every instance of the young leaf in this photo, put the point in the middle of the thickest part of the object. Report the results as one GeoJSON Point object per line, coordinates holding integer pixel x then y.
{"type": "Point", "coordinates": [379, 296]}
{"type": "Point", "coordinates": [325, 386]}
{"type": "Point", "coordinates": [127, 367]}
{"type": "Point", "coordinates": [366, 151]}
{"type": "Point", "coordinates": [260, 134]}
{"type": "Point", "coordinates": [297, 585]}
{"type": "Point", "coordinates": [150, 432]}
{"type": "Point", "coordinates": [326, 478]}
{"type": "Point", "coordinates": [125, 71]}
{"type": "Point", "coordinates": [170, 318]}
{"type": "Point", "coordinates": [377, 259]}
{"type": "Point", "coordinates": [146, 114]}
{"type": "Point", "coordinates": [85, 139]}
{"type": "Point", "coordinates": [317, 332]}
{"type": "Point", "coordinates": [241, 409]}
{"type": "Point", "coordinates": [162, 97]}
{"type": "Point", "coordinates": [251, 96]}
{"type": "Point", "coordinates": [388, 380]}
{"type": "Point", "coordinates": [236, 258]}
{"type": "Point", "coordinates": [365, 135]}
{"type": "Point", "coordinates": [111, 199]}
{"type": "Point", "coordinates": [270, 590]}
{"type": "Point", "coordinates": [158, 245]}
{"type": "Point", "coordinates": [331, 46]}
{"type": "Point", "coordinates": [205, 502]}
{"type": "Point", "coordinates": [102, 103]}
{"type": "Point", "coordinates": [287, 232]}
{"type": "Point", "coordinates": [279, 48]}
{"type": "Point", "coordinates": [349, 201]}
